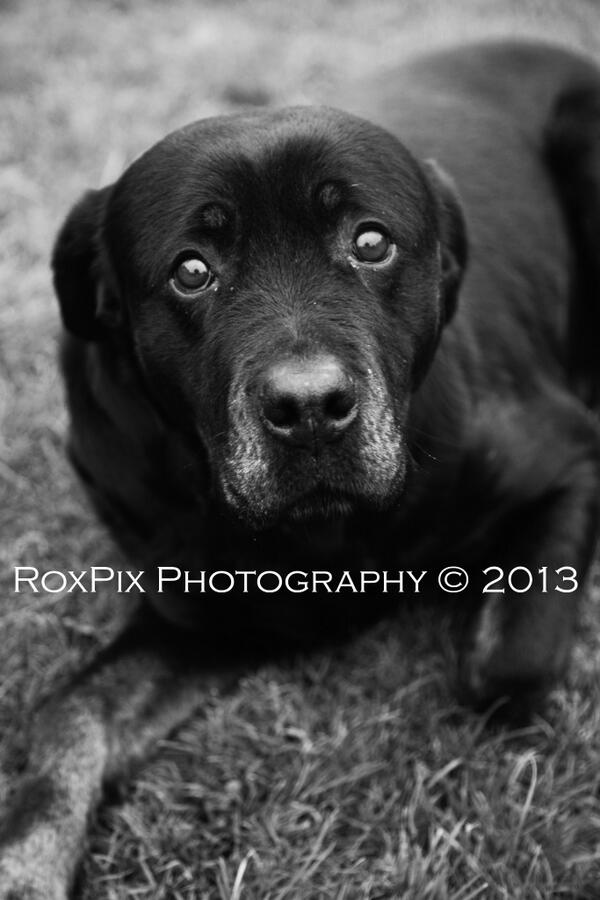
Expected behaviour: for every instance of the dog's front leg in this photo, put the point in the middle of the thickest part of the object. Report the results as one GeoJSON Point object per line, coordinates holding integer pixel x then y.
{"type": "Point", "coordinates": [134, 693]}
{"type": "Point", "coordinates": [520, 640]}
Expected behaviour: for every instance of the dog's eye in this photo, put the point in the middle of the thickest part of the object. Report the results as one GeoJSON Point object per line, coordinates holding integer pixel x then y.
{"type": "Point", "coordinates": [191, 275]}
{"type": "Point", "coordinates": [371, 244]}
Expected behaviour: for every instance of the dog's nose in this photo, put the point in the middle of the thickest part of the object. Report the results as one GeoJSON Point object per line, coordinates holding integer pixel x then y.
{"type": "Point", "coordinates": [307, 402]}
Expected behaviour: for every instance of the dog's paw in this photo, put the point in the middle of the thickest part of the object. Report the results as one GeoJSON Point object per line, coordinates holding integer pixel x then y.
{"type": "Point", "coordinates": [509, 661]}
{"type": "Point", "coordinates": [25, 876]}
{"type": "Point", "coordinates": [35, 852]}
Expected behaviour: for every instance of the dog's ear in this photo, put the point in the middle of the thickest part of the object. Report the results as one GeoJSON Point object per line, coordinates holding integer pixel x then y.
{"type": "Point", "coordinates": [88, 306]}
{"type": "Point", "coordinates": [453, 234]}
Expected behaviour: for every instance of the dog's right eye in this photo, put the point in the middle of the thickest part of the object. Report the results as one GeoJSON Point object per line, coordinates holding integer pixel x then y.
{"type": "Point", "coordinates": [191, 275]}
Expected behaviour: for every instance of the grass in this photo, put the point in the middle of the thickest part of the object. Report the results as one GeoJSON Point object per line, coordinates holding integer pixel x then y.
{"type": "Point", "coordinates": [349, 775]}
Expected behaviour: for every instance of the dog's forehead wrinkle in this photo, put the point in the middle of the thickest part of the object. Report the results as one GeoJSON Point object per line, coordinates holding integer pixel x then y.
{"type": "Point", "coordinates": [318, 145]}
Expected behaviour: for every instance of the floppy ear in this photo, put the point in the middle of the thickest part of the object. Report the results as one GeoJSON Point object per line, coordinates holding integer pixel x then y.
{"type": "Point", "coordinates": [86, 304]}
{"type": "Point", "coordinates": [453, 234]}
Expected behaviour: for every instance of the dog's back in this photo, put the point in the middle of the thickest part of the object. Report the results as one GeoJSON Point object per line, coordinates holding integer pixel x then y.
{"type": "Point", "coordinates": [529, 114]}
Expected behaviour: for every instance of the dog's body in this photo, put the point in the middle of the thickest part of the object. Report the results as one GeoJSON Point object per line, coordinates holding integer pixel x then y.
{"type": "Point", "coordinates": [268, 372]}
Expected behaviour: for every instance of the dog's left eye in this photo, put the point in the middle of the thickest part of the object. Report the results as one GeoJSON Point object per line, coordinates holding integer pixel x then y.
{"type": "Point", "coordinates": [371, 244]}
{"type": "Point", "coordinates": [191, 275]}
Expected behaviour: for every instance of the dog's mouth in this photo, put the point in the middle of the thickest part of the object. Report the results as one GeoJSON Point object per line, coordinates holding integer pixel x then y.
{"type": "Point", "coordinates": [316, 505]}
{"type": "Point", "coordinates": [321, 503]}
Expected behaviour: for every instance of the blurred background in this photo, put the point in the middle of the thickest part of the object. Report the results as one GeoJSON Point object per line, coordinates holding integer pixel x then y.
{"type": "Point", "coordinates": [324, 779]}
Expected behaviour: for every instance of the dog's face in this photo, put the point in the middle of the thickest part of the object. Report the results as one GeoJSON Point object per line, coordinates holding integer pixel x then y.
{"type": "Point", "coordinates": [284, 278]}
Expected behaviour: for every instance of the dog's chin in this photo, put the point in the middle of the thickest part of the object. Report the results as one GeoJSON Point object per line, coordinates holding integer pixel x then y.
{"type": "Point", "coordinates": [321, 505]}
{"type": "Point", "coordinates": [316, 506]}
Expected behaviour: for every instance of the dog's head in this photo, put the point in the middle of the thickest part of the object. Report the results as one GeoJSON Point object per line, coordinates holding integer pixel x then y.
{"type": "Point", "coordinates": [283, 279]}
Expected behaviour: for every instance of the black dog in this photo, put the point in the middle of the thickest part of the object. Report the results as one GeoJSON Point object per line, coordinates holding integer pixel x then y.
{"type": "Point", "coordinates": [279, 359]}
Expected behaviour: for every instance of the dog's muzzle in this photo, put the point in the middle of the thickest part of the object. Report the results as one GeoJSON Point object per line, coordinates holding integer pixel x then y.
{"type": "Point", "coordinates": [309, 436]}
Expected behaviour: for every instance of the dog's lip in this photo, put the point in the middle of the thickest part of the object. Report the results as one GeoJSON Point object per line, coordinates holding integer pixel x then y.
{"type": "Point", "coordinates": [330, 502]}
{"type": "Point", "coordinates": [321, 502]}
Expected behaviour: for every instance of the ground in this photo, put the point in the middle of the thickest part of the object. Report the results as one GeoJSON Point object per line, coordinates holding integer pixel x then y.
{"type": "Point", "coordinates": [349, 775]}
